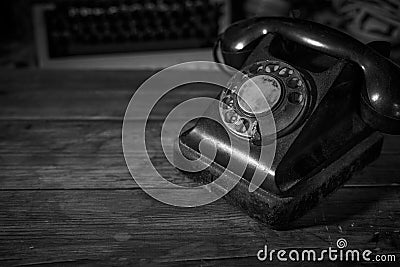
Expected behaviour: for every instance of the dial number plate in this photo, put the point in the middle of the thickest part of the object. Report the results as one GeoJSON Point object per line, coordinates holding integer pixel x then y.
{"type": "Point", "coordinates": [261, 88]}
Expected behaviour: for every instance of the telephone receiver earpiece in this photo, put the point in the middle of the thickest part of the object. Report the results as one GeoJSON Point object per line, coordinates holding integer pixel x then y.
{"type": "Point", "coordinates": [380, 96]}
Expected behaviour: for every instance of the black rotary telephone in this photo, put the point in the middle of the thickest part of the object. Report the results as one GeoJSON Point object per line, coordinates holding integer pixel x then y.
{"type": "Point", "coordinates": [329, 94]}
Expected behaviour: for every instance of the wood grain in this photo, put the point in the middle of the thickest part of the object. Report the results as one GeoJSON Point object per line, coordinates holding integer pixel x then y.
{"type": "Point", "coordinates": [68, 154]}
{"type": "Point", "coordinates": [127, 225]}
{"type": "Point", "coordinates": [83, 95]}
{"type": "Point", "coordinates": [67, 197]}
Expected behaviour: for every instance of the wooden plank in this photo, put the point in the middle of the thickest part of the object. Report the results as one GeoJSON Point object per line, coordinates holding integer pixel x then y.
{"type": "Point", "coordinates": [68, 154]}
{"type": "Point", "coordinates": [96, 136]}
{"type": "Point", "coordinates": [33, 94]}
{"type": "Point", "coordinates": [50, 94]}
{"type": "Point", "coordinates": [127, 226]}
{"type": "Point", "coordinates": [93, 223]}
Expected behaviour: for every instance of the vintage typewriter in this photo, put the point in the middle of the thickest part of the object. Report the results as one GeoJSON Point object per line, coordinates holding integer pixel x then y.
{"type": "Point", "coordinates": [113, 26]}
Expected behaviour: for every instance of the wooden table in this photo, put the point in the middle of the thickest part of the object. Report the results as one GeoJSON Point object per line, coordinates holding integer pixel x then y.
{"type": "Point", "coordinates": [67, 196]}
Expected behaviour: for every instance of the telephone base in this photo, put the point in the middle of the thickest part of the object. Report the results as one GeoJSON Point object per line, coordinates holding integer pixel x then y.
{"type": "Point", "coordinates": [279, 210]}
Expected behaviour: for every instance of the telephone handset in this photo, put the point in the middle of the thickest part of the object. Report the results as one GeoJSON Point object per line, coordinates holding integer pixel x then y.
{"type": "Point", "coordinates": [380, 96]}
{"type": "Point", "coordinates": [329, 95]}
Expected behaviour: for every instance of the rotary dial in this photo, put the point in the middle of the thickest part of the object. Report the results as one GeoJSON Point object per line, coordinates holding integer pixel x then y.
{"type": "Point", "coordinates": [261, 88]}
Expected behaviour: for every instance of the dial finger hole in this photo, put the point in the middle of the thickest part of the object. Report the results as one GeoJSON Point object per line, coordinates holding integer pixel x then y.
{"type": "Point", "coordinates": [270, 68]}
{"type": "Point", "coordinates": [231, 117]}
{"type": "Point", "coordinates": [284, 72]}
{"type": "Point", "coordinates": [294, 82]}
{"type": "Point", "coordinates": [295, 98]}
{"type": "Point", "coordinates": [227, 102]}
{"type": "Point", "coordinates": [242, 126]}
{"type": "Point", "coordinates": [256, 136]}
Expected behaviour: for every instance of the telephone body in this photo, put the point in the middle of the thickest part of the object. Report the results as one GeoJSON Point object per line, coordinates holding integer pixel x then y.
{"type": "Point", "coordinates": [331, 96]}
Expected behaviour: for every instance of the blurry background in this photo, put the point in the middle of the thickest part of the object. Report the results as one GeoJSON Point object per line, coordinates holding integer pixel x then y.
{"type": "Point", "coordinates": [158, 33]}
